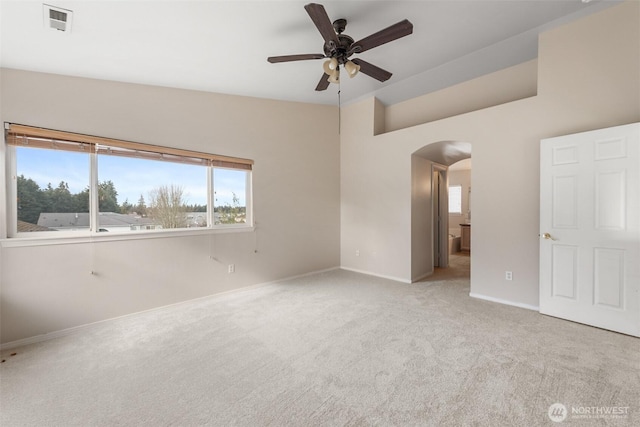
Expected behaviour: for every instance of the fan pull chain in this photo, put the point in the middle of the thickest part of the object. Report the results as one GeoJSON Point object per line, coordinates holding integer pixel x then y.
{"type": "Point", "coordinates": [339, 110]}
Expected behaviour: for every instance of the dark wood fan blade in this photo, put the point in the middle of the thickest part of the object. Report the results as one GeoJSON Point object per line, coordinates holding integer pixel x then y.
{"type": "Point", "coordinates": [396, 31]}
{"type": "Point", "coordinates": [372, 71]}
{"type": "Point", "coordinates": [319, 17]}
{"type": "Point", "coordinates": [323, 84]}
{"type": "Point", "coordinates": [288, 58]}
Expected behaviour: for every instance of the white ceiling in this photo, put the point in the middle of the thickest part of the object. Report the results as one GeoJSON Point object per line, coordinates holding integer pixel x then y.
{"type": "Point", "coordinates": [222, 46]}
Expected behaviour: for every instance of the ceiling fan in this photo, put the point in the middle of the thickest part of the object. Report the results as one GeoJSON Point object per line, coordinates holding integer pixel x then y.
{"type": "Point", "coordinates": [339, 47]}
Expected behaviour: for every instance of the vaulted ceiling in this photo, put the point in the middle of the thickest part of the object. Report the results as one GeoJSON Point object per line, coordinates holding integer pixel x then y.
{"type": "Point", "coordinates": [222, 46]}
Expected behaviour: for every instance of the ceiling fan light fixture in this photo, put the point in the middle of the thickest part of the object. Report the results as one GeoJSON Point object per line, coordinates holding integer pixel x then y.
{"type": "Point", "coordinates": [352, 68]}
{"type": "Point", "coordinates": [326, 68]}
{"type": "Point", "coordinates": [330, 66]}
{"type": "Point", "coordinates": [338, 47]}
{"type": "Point", "coordinates": [334, 77]}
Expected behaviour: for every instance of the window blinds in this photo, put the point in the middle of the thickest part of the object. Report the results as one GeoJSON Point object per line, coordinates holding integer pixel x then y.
{"type": "Point", "coordinates": [28, 136]}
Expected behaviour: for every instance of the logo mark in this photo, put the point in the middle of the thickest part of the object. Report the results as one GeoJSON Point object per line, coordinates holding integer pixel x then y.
{"type": "Point", "coordinates": [557, 412]}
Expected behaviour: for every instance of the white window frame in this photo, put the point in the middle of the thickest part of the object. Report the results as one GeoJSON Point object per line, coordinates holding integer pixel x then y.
{"type": "Point", "coordinates": [248, 201]}
{"type": "Point", "coordinates": [15, 238]}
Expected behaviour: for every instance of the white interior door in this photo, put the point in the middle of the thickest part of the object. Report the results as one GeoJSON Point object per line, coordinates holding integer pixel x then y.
{"type": "Point", "coordinates": [590, 228]}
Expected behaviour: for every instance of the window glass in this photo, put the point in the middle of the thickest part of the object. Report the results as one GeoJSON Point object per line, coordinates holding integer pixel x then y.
{"type": "Point", "coordinates": [140, 194]}
{"type": "Point", "coordinates": [69, 182]}
{"type": "Point", "coordinates": [230, 190]}
{"type": "Point", "coordinates": [455, 199]}
{"type": "Point", "coordinates": [52, 190]}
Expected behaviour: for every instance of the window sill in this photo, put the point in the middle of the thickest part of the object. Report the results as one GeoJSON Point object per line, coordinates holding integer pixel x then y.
{"type": "Point", "coordinates": [68, 239]}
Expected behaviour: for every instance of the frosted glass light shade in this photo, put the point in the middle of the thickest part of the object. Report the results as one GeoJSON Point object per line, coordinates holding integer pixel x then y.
{"type": "Point", "coordinates": [352, 68]}
{"type": "Point", "coordinates": [330, 65]}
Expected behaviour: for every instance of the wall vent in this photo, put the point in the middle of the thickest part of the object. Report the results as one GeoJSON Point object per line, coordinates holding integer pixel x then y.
{"type": "Point", "coordinates": [57, 19]}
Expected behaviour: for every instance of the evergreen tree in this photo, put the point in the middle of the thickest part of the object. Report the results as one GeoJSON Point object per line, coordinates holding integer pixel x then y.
{"type": "Point", "coordinates": [126, 207]}
{"type": "Point", "coordinates": [30, 200]}
{"type": "Point", "coordinates": [196, 208]}
{"type": "Point", "coordinates": [107, 197]}
{"type": "Point", "coordinates": [61, 199]}
{"type": "Point", "coordinates": [141, 207]}
{"type": "Point", "coordinates": [48, 197]}
{"type": "Point", "coordinates": [81, 201]}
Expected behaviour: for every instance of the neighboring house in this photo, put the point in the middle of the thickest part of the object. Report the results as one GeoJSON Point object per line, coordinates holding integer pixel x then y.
{"type": "Point", "coordinates": [27, 227]}
{"type": "Point", "coordinates": [109, 221]}
{"type": "Point", "coordinates": [197, 219]}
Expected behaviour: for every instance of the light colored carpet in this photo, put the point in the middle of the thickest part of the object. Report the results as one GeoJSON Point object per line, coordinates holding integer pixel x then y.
{"type": "Point", "coordinates": [335, 349]}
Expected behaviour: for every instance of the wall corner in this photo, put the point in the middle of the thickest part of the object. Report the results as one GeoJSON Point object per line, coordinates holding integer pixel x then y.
{"type": "Point", "coordinates": [379, 112]}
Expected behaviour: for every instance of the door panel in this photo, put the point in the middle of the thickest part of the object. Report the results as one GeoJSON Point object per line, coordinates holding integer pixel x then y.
{"type": "Point", "coordinates": [609, 266]}
{"type": "Point", "coordinates": [565, 201]}
{"type": "Point", "coordinates": [590, 228]}
{"type": "Point", "coordinates": [564, 265]}
{"type": "Point", "coordinates": [610, 200]}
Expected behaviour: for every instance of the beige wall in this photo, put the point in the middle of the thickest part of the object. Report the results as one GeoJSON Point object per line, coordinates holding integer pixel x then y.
{"type": "Point", "coordinates": [588, 78]}
{"type": "Point", "coordinates": [296, 201]}
{"type": "Point", "coordinates": [375, 194]}
{"type": "Point", "coordinates": [510, 84]}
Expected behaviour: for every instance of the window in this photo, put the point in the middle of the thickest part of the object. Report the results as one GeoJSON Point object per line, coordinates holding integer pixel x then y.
{"type": "Point", "coordinates": [455, 199]}
{"type": "Point", "coordinates": [52, 189]}
{"type": "Point", "coordinates": [229, 196]}
{"type": "Point", "coordinates": [70, 182]}
{"type": "Point", "coordinates": [143, 194]}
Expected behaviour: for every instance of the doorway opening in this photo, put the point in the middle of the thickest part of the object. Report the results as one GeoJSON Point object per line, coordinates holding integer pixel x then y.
{"type": "Point", "coordinates": [431, 226]}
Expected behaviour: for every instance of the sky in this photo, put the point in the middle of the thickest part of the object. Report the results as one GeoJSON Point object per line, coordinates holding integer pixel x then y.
{"type": "Point", "coordinates": [132, 177]}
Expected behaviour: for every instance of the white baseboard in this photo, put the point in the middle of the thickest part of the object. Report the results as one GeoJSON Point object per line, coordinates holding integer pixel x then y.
{"type": "Point", "coordinates": [503, 301]}
{"type": "Point", "coordinates": [88, 326]}
{"type": "Point", "coordinates": [382, 276]}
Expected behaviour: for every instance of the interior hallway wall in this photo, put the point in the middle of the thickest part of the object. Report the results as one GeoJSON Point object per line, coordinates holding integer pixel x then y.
{"type": "Point", "coordinates": [422, 249]}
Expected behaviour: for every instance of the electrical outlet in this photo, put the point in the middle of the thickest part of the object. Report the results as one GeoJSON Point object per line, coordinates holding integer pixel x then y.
{"type": "Point", "coordinates": [508, 275]}
{"type": "Point", "coordinates": [357, 252]}
{"type": "Point", "coordinates": [232, 268]}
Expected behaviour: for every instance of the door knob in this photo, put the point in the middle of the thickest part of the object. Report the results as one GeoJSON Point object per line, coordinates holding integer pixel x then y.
{"type": "Point", "coordinates": [547, 236]}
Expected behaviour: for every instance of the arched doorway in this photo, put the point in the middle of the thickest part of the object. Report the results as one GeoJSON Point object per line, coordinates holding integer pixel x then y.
{"type": "Point", "coordinates": [429, 204]}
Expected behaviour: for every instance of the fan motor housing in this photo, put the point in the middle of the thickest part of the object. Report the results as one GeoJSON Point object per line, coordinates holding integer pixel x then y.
{"type": "Point", "coordinates": [341, 51]}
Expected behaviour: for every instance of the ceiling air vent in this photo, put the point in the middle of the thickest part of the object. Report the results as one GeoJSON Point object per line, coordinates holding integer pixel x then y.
{"type": "Point", "coordinates": [56, 18]}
